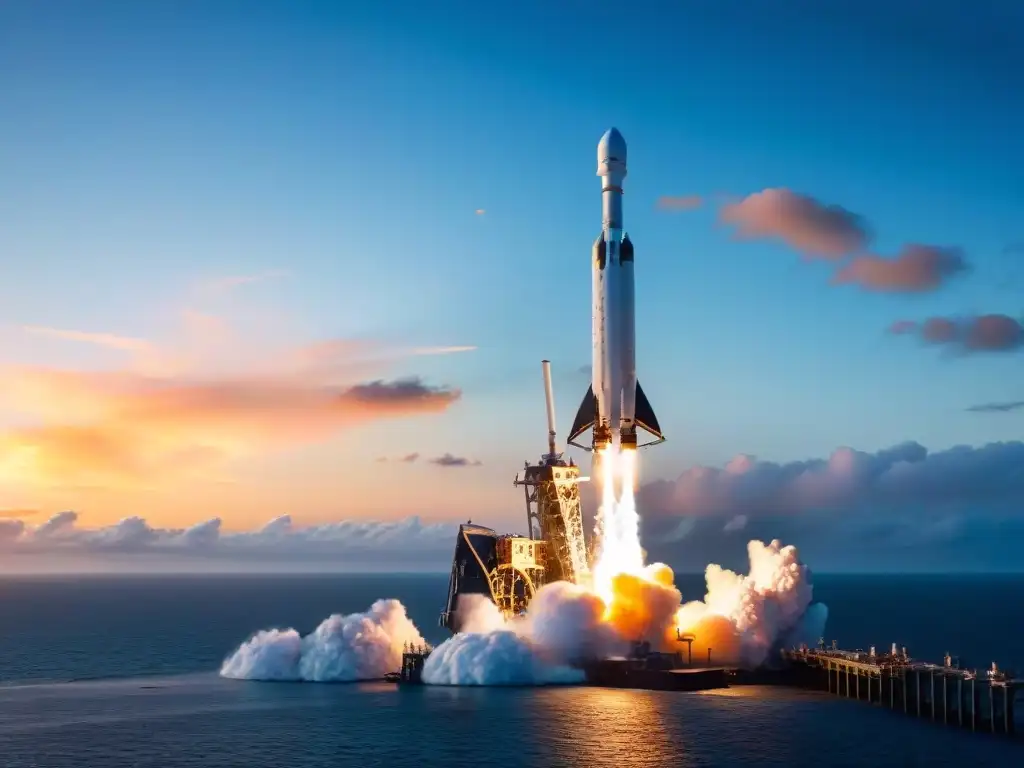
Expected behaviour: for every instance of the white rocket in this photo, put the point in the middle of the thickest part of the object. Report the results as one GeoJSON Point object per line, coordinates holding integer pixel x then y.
{"type": "Point", "coordinates": [615, 405]}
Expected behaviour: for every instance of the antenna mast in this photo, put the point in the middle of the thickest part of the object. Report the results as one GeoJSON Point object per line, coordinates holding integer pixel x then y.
{"type": "Point", "coordinates": [549, 396]}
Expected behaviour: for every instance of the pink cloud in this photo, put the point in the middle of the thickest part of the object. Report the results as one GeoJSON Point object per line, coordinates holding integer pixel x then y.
{"type": "Point", "coordinates": [803, 223]}
{"type": "Point", "coordinates": [980, 333]}
{"type": "Point", "coordinates": [918, 268]}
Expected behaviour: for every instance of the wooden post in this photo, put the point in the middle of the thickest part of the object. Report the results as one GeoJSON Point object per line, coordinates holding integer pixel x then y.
{"type": "Point", "coordinates": [917, 689]}
{"type": "Point", "coordinates": [932, 702]}
{"type": "Point", "coordinates": [960, 699]}
{"type": "Point", "coordinates": [903, 677]}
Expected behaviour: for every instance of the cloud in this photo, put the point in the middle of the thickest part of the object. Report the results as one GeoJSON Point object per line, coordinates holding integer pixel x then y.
{"type": "Point", "coordinates": [117, 428]}
{"type": "Point", "coordinates": [480, 211]}
{"type": "Point", "coordinates": [997, 407]}
{"type": "Point", "coordinates": [109, 340]}
{"type": "Point", "coordinates": [183, 409]}
{"type": "Point", "coordinates": [10, 530]}
{"type": "Point", "coordinates": [846, 483]}
{"type": "Point", "coordinates": [18, 513]}
{"type": "Point", "coordinates": [409, 458]}
{"type": "Point", "coordinates": [382, 544]}
{"type": "Point", "coordinates": [679, 203]}
{"type": "Point", "coordinates": [903, 327]}
{"type": "Point", "coordinates": [944, 510]}
{"type": "Point", "coordinates": [803, 223]}
{"type": "Point", "coordinates": [442, 350]}
{"type": "Point", "coordinates": [737, 523]}
{"type": "Point", "coordinates": [917, 268]}
{"type": "Point", "coordinates": [448, 460]}
{"type": "Point", "coordinates": [897, 509]}
{"type": "Point", "coordinates": [980, 333]}
{"type": "Point", "coordinates": [229, 282]}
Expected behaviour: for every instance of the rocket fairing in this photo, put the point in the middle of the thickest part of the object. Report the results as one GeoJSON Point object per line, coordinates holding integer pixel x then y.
{"type": "Point", "coordinates": [615, 405]}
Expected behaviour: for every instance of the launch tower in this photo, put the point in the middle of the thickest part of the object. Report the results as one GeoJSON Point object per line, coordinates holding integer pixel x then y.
{"type": "Point", "coordinates": [509, 569]}
{"type": "Point", "coordinates": [553, 510]}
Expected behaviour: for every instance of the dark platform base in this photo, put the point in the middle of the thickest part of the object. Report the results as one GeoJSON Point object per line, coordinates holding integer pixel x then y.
{"type": "Point", "coordinates": [619, 673]}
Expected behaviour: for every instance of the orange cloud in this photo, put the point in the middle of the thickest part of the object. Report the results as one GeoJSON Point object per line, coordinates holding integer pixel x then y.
{"type": "Point", "coordinates": [113, 341]}
{"type": "Point", "coordinates": [183, 409]}
{"type": "Point", "coordinates": [18, 513]}
{"type": "Point", "coordinates": [124, 428]}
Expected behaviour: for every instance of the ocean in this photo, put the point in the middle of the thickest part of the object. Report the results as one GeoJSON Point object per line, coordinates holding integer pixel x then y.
{"type": "Point", "coordinates": [122, 671]}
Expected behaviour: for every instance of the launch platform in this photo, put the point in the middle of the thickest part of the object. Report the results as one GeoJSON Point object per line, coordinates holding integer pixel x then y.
{"type": "Point", "coordinates": [508, 569]}
{"type": "Point", "coordinates": [648, 670]}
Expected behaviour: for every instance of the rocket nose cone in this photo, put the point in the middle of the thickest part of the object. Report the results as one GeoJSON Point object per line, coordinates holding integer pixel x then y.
{"type": "Point", "coordinates": [612, 146]}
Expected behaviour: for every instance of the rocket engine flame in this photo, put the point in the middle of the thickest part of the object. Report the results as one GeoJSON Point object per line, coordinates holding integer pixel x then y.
{"type": "Point", "coordinates": [741, 619]}
{"type": "Point", "coordinates": [617, 529]}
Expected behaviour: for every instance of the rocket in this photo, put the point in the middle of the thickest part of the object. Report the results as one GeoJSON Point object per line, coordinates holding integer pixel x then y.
{"type": "Point", "coordinates": [615, 404]}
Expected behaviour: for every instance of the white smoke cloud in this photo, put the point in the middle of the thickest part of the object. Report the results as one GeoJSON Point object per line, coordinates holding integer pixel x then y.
{"type": "Point", "coordinates": [563, 627]}
{"type": "Point", "coordinates": [767, 608]}
{"type": "Point", "coordinates": [358, 646]}
{"type": "Point", "coordinates": [342, 542]}
{"type": "Point", "coordinates": [744, 618]}
{"type": "Point", "coordinates": [500, 657]}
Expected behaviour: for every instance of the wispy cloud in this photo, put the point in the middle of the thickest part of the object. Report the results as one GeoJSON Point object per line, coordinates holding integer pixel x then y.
{"type": "Point", "coordinates": [442, 350]}
{"type": "Point", "coordinates": [18, 513]}
{"type": "Point", "coordinates": [680, 202]}
{"type": "Point", "coordinates": [805, 224]}
{"type": "Point", "coordinates": [1005, 407]}
{"type": "Point", "coordinates": [448, 460]}
{"type": "Point", "coordinates": [480, 211]}
{"type": "Point", "coordinates": [408, 458]}
{"type": "Point", "coordinates": [230, 282]}
{"type": "Point", "coordinates": [109, 340]}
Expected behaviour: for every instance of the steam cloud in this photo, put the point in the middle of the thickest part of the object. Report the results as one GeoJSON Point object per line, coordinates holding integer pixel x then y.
{"type": "Point", "coordinates": [742, 618]}
{"type": "Point", "coordinates": [359, 646]}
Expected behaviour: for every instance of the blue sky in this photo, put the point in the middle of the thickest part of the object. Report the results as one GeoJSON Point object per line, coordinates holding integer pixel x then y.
{"type": "Point", "coordinates": [148, 147]}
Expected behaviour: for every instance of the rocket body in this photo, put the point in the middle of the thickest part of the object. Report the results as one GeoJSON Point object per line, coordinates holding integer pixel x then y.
{"type": "Point", "coordinates": [615, 405]}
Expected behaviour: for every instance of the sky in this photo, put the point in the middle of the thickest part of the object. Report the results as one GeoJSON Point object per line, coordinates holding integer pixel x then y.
{"type": "Point", "coordinates": [295, 265]}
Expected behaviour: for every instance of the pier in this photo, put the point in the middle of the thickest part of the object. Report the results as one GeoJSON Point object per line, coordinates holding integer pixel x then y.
{"type": "Point", "coordinates": [943, 693]}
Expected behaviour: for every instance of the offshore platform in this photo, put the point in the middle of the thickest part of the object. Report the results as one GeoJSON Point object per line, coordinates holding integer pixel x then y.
{"type": "Point", "coordinates": [508, 569]}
